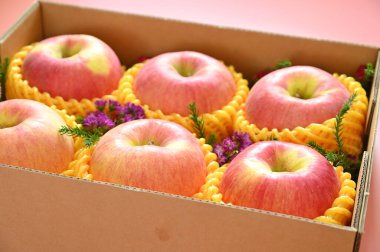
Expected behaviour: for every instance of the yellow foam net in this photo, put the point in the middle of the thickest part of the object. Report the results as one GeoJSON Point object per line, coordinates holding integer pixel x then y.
{"type": "Point", "coordinates": [17, 87]}
{"type": "Point", "coordinates": [322, 134]}
{"type": "Point", "coordinates": [70, 122]}
{"type": "Point", "coordinates": [219, 122]}
{"type": "Point", "coordinates": [340, 213]}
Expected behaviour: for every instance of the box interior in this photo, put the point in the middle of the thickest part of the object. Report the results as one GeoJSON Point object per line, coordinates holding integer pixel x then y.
{"type": "Point", "coordinates": [132, 36]}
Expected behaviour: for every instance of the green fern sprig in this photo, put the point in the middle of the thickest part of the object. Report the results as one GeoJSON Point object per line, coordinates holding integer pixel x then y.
{"type": "Point", "coordinates": [318, 148]}
{"type": "Point", "coordinates": [211, 140]}
{"type": "Point", "coordinates": [339, 157]}
{"type": "Point", "coordinates": [339, 122]}
{"type": "Point", "coordinates": [283, 64]}
{"type": "Point", "coordinates": [198, 125]}
{"type": "Point", "coordinates": [90, 138]}
{"type": "Point", "coordinates": [198, 121]}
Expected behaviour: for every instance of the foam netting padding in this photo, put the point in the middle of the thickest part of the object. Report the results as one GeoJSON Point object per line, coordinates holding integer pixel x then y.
{"type": "Point", "coordinates": [340, 213]}
{"type": "Point", "coordinates": [70, 122]}
{"type": "Point", "coordinates": [322, 134]}
{"type": "Point", "coordinates": [17, 87]}
{"type": "Point", "coordinates": [219, 122]}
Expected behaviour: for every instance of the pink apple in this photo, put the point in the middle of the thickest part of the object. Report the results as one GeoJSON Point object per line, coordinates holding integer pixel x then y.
{"type": "Point", "coordinates": [295, 96]}
{"type": "Point", "coordinates": [171, 81]}
{"type": "Point", "coordinates": [29, 137]}
{"type": "Point", "coordinates": [72, 66]}
{"type": "Point", "coordinates": [281, 177]}
{"type": "Point", "coordinates": [151, 154]}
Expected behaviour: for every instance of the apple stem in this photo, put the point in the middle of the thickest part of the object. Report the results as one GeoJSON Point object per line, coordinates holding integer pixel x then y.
{"type": "Point", "coordinates": [150, 142]}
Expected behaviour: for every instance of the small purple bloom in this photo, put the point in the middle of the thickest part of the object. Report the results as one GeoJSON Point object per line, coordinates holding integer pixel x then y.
{"type": "Point", "coordinates": [101, 105]}
{"type": "Point", "coordinates": [351, 157]}
{"type": "Point", "coordinates": [97, 119]}
{"type": "Point", "coordinates": [242, 139]}
{"type": "Point", "coordinates": [114, 106]}
{"type": "Point", "coordinates": [228, 145]}
{"type": "Point", "coordinates": [230, 148]}
{"type": "Point", "coordinates": [219, 151]}
{"type": "Point", "coordinates": [132, 112]}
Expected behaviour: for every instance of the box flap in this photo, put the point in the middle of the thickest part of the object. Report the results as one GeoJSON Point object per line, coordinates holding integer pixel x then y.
{"type": "Point", "coordinates": [361, 201]}
{"type": "Point", "coordinates": [92, 216]}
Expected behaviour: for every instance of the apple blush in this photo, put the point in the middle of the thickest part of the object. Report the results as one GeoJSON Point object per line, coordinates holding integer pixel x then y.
{"type": "Point", "coordinates": [281, 177]}
{"type": "Point", "coordinates": [73, 67]}
{"type": "Point", "coordinates": [171, 81]}
{"type": "Point", "coordinates": [151, 154]}
{"type": "Point", "coordinates": [29, 137]}
{"type": "Point", "coordinates": [295, 97]}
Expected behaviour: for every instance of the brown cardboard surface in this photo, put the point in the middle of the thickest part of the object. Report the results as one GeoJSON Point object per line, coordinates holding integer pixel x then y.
{"type": "Point", "coordinates": [45, 212]}
{"type": "Point", "coordinates": [41, 212]}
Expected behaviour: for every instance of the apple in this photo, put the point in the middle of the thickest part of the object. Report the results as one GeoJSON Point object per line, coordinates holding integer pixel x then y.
{"type": "Point", "coordinates": [152, 154]}
{"type": "Point", "coordinates": [73, 66]}
{"type": "Point", "coordinates": [294, 96]}
{"type": "Point", "coordinates": [281, 177]}
{"type": "Point", "coordinates": [171, 81]}
{"type": "Point", "coordinates": [29, 137]}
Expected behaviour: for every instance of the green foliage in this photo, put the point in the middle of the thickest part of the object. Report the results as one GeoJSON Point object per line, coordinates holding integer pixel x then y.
{"type": "Point", "coordinates": [339, 122]}
{"type": "Point", "coordinates": [3, 75]}
{"type": "Point", "coordinates": [90, 137]}
{"type": "Point", "coordinates": [318, 148]}
{"type": "Point", "coordinates": [283, 64]}
{"type": "Point", "coordinates": [198, 121]}
{"type": "Point", "coordinates": [262, 73]}
{"type": "Point", "coordinates": [198, 125]}
{"type": "Point", "coordinates": [79, 119]}
{"type": "Point", "coordinates": [339, 157]}
{"type": "Point", "coordinates": [211, 140]}
{"type": "Point", "coordinates": [369, 72]}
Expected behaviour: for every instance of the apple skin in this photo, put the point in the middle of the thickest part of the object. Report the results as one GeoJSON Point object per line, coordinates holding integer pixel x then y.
{"type": "Point", "coordinates": [152, 154]}
{"type": "Point", "coordinates": [281, 177]}
{"type": "Point", "coordinates": [171, 81]}
{"type": "Point", "coordinates": [72, 66]}
{"type": "Point", "coordinates": [29, 137]}
{"type": "Point", "coordinates": [274, 101]}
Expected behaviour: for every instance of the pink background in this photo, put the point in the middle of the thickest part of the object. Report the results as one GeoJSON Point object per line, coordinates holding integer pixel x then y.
{"type": "Point", "coordinates": [341, 20]}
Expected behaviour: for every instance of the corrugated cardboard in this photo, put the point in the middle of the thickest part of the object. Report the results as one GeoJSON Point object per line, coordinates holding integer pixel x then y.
{"type": "Point", "coordinates": [46, 212]}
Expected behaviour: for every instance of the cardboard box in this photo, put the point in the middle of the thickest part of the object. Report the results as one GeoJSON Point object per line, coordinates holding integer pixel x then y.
{"type": "Point", "coordinates": [46, 212]}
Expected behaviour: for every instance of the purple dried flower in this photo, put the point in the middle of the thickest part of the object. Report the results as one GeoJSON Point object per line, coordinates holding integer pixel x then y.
{"type": "Point", "coordinates": [230, 148]}
{"type": "Point", "coordinates": [228, 145]}
{"type": "Point", "coordinates": [132, 112]}
{"type": "Point", "coordinates": [219, 151]}
{"type": "Point", "coordinates": [114, 106]}
{"type": "Point", "coordinates": [226, 151]}
{"type": "Point", "coordinates": [242, 139]}
{"type": "Point", "coordinates": [101, 105]}
{"type": "Point", "coordinates": [97, 119]}
{"type": "Point", "coordinates": [351, 157]}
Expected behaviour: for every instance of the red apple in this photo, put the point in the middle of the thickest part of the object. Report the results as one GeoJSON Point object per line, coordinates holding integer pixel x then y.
{"type": "Point", "coordinates": [72, 66]}
{"type": "Point", "coordinates": [171, 81]}
{"type": "Point", "coordinates": [281, 177]}
{"type": "Point", "coordinates": [29, 137]}
{"type": "Point", "coordinates": [295, 96]}
{"type": "Point", "coordinates": [151, 154]}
